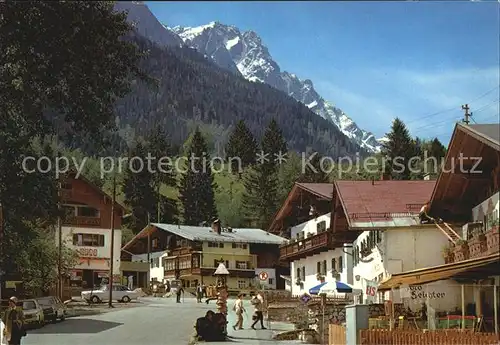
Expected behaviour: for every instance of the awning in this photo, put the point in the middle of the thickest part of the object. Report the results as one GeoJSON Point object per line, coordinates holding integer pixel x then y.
{"type": "Point", "coordinates": [478, 267]}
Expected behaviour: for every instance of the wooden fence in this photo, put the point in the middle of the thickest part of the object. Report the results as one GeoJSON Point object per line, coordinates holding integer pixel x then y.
{"type": "Point", "coordinates": [387, 337]}
{"type": "Point", "coordinates": [336, 335]}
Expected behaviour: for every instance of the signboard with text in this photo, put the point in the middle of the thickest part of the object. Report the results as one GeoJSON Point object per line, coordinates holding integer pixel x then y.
{"type": "Point", "coordinates": [371, 290]}
{"type": "Point", "coordinates": [87, 252]}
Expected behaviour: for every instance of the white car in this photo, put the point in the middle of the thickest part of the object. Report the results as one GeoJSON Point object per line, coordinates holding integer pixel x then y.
{"type": "Point", "coordinates": [120, 293]}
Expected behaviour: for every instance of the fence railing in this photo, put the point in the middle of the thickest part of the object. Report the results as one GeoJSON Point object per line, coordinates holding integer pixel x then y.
{"type": "Point", "coordinates": [336, 335]}
{"type": "Point", "coordinates": [418, 337]}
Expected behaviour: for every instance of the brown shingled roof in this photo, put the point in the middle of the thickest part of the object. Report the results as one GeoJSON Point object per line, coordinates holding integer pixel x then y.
{"type": "Point", "coordinates": [367, 199]}
{"type": "Point", "coordinates": [324, 190]}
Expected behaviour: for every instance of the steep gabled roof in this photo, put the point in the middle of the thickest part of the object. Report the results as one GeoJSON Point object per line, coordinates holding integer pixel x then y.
{"type": "Point", "coordinates": [383, 203]}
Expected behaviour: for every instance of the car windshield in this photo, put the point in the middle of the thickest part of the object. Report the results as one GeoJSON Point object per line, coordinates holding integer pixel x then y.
{"type": "Point", "coordinates": [29, 305]}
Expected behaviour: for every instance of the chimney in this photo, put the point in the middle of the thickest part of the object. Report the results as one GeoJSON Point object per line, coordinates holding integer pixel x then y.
{"type": "Point", "coordinates": [385, 176]}
{"type": "Point", "coordinates": [216, 226]}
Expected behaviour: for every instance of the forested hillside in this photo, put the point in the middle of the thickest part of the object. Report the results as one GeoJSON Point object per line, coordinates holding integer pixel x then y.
{"type": "Point", "coordinates": [191, 90]}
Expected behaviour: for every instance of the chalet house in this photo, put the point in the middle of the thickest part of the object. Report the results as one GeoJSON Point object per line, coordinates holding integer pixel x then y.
{"type": "Point", "coordinates": [86, 228]}
{"type": "Point", "coordinates": [366, 230]}
{"type": "Point", "coordinates": [194, 252]}
{"type": "Point", "coordinates": [468, 198]}
{"type": "Point", "coordinates": [312, 252]}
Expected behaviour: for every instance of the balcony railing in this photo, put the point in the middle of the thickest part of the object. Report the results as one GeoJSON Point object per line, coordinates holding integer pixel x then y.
{"type": "Point", "coordinates": [307, 246]}
{"type": "Point", "coordinates": [82, 221]}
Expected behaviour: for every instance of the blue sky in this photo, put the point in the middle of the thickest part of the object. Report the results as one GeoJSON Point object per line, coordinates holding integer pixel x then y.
{"type": "Point", "coordinates": [376, 60]}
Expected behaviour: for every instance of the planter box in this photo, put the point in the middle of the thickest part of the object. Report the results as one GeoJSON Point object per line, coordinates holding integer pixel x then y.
{"type": "Point", "coordinates": [449, 258]}
{"type": "Point", "coordinates": [477, 246]}
{"type": "Point", "coordinates": [461, 252]}
{"type": "Point", "coordinates": [492, 240]}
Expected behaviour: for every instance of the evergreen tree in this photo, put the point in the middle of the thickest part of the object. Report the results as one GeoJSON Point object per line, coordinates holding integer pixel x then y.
{"type": "Point", "coordinates": [163, 174]}
{"type": "Point", "coordinates": [241, 145]}
{"type": "Point", "coordinates": [398, 150]}
{"type": "Point", "coordinates": [314, 172]}
{"type": "Point", "coordinates": [138, 189]}
{"type": "Point", "coordinates": [261, 198]}
{"type": "Point", "coordinates": [197, 184]}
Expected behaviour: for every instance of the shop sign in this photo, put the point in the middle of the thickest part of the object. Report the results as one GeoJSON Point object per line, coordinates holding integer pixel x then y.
{"type": "Point", "coordinates": [418, 292]}
{"type": "Point", "coordinates": [87, 252]}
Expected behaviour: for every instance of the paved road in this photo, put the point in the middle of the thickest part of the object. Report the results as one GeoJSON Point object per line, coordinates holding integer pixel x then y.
{"type": "Point", "coordinates": [155, 321]}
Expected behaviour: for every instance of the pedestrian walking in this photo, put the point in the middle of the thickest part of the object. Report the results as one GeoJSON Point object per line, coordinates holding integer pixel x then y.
{"type": "Point", "coordinates": [239, 309]}
{"type": "Point", "coordinates": [13, 320]}
{"type": "Point", "coordinates": [258, 303]}
{"type": "Point", "coordinates": [178, 293]}
{"type": "Point", "coordinates": [199, 293]}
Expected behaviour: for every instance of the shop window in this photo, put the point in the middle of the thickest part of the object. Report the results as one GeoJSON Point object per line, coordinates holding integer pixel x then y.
{"type": "Point", "coordinates": [242, 284]}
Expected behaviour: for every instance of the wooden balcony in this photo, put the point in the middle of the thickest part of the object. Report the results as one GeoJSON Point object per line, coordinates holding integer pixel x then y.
{"type": "Point", "coordinates": [307, 247]}
{"type": "Point", "coordinates": [82, 221]}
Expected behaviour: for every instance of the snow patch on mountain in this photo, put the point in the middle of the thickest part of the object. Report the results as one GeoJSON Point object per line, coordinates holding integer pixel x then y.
{"type": "Point", "coordinates": [244, 53]}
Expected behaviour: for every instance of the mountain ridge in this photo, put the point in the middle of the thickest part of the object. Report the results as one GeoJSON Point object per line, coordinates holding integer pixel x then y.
{"type": "Point", "coordinates": [230, 48]}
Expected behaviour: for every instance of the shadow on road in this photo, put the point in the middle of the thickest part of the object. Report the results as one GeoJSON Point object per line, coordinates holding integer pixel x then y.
{"type": "Point", "coordinates": [77, 326]}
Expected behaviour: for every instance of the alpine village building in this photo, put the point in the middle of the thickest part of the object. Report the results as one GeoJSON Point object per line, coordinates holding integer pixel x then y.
{"type": "Point", "coordinates": [191, 254]}
{"type": "Point", "coordinates": [86, 228]}
{"type": "Point", "coordinates": [368, 233]}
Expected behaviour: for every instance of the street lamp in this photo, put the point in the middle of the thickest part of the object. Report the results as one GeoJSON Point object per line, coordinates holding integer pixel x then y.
{"type": "Point", "coordinates": [221, 274]}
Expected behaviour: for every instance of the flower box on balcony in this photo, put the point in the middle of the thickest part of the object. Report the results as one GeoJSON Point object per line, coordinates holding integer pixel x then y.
{"type": "Point", "coordinates": [448, 255]}
{"type": "Point", "coordinates": [461, 251]}
{"type": "Point", "coordinates": [492, 239]}
{"type": "Point", "coordinates": [477, 246]}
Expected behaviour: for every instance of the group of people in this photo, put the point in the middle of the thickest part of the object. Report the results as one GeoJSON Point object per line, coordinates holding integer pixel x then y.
{"type": "Point", "coordinates": [211, 327]}
{"type": "Point", "coordinates": [13, 323]}
{"type": "Point", "coordinates": [257, 302]}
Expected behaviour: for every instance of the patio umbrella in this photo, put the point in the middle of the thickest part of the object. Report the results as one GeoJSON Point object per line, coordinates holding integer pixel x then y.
{"type": "Point", "coordinates": [331, 288]}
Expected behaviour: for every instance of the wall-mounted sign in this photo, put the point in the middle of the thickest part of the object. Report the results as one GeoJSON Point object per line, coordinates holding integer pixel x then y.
{"type": "Point", "coordinates": [418, 292]}
{"type": "Point", "coordinates": [263, 275]}
{"type": "Point", "coordinates": [87, 252]}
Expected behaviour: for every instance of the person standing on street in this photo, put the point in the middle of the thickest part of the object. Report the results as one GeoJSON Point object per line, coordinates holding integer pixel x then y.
{"type": "Point", "coordinates": [130, 282]}
{"type": "Point", "coordinates": [199, 293]}
{"type": "Point", "coordinates": [14, 323]}
{"type": "Point", "coordinates": [258, 303]}
{"type": "Point", "coordinates": [180, 290]}
{"type": "Point", "coordinates": [239, 310]}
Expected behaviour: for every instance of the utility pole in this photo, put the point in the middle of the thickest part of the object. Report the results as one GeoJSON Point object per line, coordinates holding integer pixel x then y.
{"type": "Point", "coordinates": [467, 114]}
{"type": "Point", "coordinates": [59, 234]}
{"type": "Point", "coordinates": [1, 249]}
{"type": "Point", "coordinates": [111, 260]}
{"type": "Point", "coordinates": [158, 204]}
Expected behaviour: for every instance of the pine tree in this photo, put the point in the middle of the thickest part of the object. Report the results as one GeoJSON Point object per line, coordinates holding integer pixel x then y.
{"type": "Point", "coordinates": [261, 198]}
{"type": "Point", "coordinates": [162, 174]}
{"type": "Point", "coordinates": [242, 145]}
{"type": "Point", "coordinates": [398, 150]}
{"type": "Point", "coordinates": [197, 184]}
{"type": "Point", "coordinates": [314, 171]}
{"type": "Point", "coordinates": [138, 189]}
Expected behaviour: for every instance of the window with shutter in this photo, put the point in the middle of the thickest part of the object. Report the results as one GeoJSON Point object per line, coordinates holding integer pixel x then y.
{"type": "Point", "coordinates": [318, 267]}
{"type": "Point", "coordinates": [324, 267]}
{"type": "Point", "coordinates": [334, 265]}
{"type": "Point", "coordinates": [341, 266]}
{"type": "Point", "coordinates": [304, 273]}
{"type": "Point", "coordinates": [298, 273]}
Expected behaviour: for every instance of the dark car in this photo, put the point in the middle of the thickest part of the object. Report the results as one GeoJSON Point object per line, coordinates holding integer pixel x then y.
{"type": "Point", "coordinates": [53, 308]}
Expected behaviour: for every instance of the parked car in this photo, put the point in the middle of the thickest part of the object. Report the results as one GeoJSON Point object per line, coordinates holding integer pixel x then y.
{"type": "Point", "coordinates": [33, 313]}
{"type": "Point", "coordinates": [53, 308]}
{"type": "Point", "coordinates": [120, 293]}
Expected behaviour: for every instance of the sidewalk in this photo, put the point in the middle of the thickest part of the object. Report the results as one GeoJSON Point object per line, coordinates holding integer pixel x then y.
{"type": "Point", "coordinates": [258, 336]}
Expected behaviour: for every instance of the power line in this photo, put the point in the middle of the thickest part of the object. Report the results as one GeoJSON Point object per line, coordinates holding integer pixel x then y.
{"type": "Point", "coordinates": [454, 108]}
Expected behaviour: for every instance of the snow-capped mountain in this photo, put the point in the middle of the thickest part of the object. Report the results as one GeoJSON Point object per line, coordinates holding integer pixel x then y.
{"type": "Point", "coordinates": [245, 54]}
